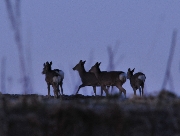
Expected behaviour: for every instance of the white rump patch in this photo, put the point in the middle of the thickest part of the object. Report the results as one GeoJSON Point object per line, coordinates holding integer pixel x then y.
{"type": "Point", "coordinates": [60, 72]}
{"type": "Point", "coordinates": [123, 77]}
{"type": "Point", "coordinates": [142, 77]}
{"type": "Point", "coordinates": [57, 79]}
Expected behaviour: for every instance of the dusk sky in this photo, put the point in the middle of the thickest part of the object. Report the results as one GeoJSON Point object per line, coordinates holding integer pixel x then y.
{"type": "Point", "coordinates": [65, 32]}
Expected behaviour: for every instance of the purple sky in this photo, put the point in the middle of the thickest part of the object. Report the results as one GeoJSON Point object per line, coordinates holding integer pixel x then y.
{"type": "Point", "coordinates": [66, 31]}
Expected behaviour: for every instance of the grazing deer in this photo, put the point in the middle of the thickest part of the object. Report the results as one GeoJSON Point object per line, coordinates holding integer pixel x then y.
{"type": "Point", "coordinates": [137, 80]}
{"type": "Point", "coordinates": [87, 78]}
{"type": "Point", "coordinates": [112, 78]}
{"type": "Point", "coordinates": [54, 78]}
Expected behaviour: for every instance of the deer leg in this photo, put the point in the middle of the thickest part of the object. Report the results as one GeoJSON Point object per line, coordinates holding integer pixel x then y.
{"type": "Point", "coordinates": [101, 91]}
{"type": "Point", "coordinates": [48, 86]}
{"type": "Point", "coordinates": [120, 92]}
{"type": "Point", "coordinates": [55, 93]}
{"type": "Point", "coordinates": [121, 89]}
{"type": "Point", "coordinates": [105, 89]}
{"type": "Point", "coordinates": [134, 91]}
{"type": "Point", "coordinates": [108, 87]}
{"type": "Point", "coordinates": [82, 85]}
{"type": "Point", "coordinates": [94, 88]}
{"type": "Point", "coordinates": [140, 90]}
{"type": "Point", "coordinates": [61, 88]}
{"type": "Point", "coordinates": [56, 89]}
{"type": "Point", "coordinates": [59, 91]}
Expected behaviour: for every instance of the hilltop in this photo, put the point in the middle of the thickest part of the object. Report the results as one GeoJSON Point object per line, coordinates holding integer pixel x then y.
{"type": "Point", "coordinates": [90, 115]}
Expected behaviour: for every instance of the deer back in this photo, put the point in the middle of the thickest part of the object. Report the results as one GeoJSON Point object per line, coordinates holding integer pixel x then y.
{"type": "Point", "coordinates": [137, 79]}
{"type": "Point", "coordinates": [50, 75]}
{"type": "Point", "coordinates": [109, 78]}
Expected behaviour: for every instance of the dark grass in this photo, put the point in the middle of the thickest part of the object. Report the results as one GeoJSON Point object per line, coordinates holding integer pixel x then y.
{"type": "Point", "coordinates": [84, 115]}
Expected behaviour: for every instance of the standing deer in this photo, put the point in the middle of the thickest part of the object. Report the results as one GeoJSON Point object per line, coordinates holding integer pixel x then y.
{"type": "Point", "coordinates": [137, 81]}
{"type": "Point", "coordinates": [54, 78]}
{"type": "Point", "coordinates": [87, 78]}
{"type": "Point", "coordinates": [112, 78]}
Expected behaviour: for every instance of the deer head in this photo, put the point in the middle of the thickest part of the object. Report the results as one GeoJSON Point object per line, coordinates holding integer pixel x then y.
{"type": "Point", "coordinates": [47, 67]}
{"type": "Point", "coordinates": [130, 73]}
{"type": "Point", "coordinates": [79, 65]}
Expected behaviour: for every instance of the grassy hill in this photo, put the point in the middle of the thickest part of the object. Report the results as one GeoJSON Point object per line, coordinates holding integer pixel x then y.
{"type": "Point", "coordinates": [85, 115]}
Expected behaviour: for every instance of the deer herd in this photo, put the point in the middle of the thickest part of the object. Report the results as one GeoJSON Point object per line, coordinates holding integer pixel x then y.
{"type": "Point", "coordinates": [94, 77]}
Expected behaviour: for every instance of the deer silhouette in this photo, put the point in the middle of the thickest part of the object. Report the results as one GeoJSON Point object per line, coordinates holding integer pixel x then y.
{"type": "Point", "coordinates": [112, 78]}
{"type": "Point", "coordinates": [137, 81]}
{"type": "Point", "coordinates": [87, 78]}
{"type": "Point", "coordinates": [53, 77]}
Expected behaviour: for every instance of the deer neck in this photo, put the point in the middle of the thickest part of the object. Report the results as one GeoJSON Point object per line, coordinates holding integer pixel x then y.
{"type": "Point", "coordinates": [97, 74]}
{"type": "Point", "coordinates": [48, 73]}
{"type": "Point", "coordinates": [130, 78]}
{"type": "Point", "coordinates": [81, 72]}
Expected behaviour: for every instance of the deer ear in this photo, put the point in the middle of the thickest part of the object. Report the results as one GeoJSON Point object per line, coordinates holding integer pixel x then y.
{"type": "Point", "coordinates": [129, 69]}
{"type": "Point", "coordinates": [50, 63]}
{"type": "Point", "coordinates": [83, 62]}
{"type": "Point", "coordinates": [44, 64]}
{"type": "Point", "coordinates": [133, 69]}
{"type": "Point", "coordinates": [99, 63]}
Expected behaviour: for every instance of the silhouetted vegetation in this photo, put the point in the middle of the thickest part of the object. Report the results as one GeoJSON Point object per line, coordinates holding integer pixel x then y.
{"type": "Point", "coordinates": [14, 14]}
{"type": "Point", "coordinates": [84, 115]}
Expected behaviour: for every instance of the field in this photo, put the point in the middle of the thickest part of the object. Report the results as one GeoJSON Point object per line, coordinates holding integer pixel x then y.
{"type": "Point", "coordinates": [91, 116]}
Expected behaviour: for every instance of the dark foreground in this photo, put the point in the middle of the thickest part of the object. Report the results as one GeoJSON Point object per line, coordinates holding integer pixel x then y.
{"type": "Point", "coordinates": [35, 115]}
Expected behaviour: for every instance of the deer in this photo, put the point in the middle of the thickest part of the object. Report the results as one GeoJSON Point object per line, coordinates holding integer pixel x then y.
{"type": "Point", "coordinates": [137, 81]}
{"type": "Point", "coordinates": [61, 74]}
{"type": "Point", "coordinates": [53, 77]}
{"type": "Point", "coordinates": [112, 78]}
{"type": "Point", "coordinates": [87, 78]}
